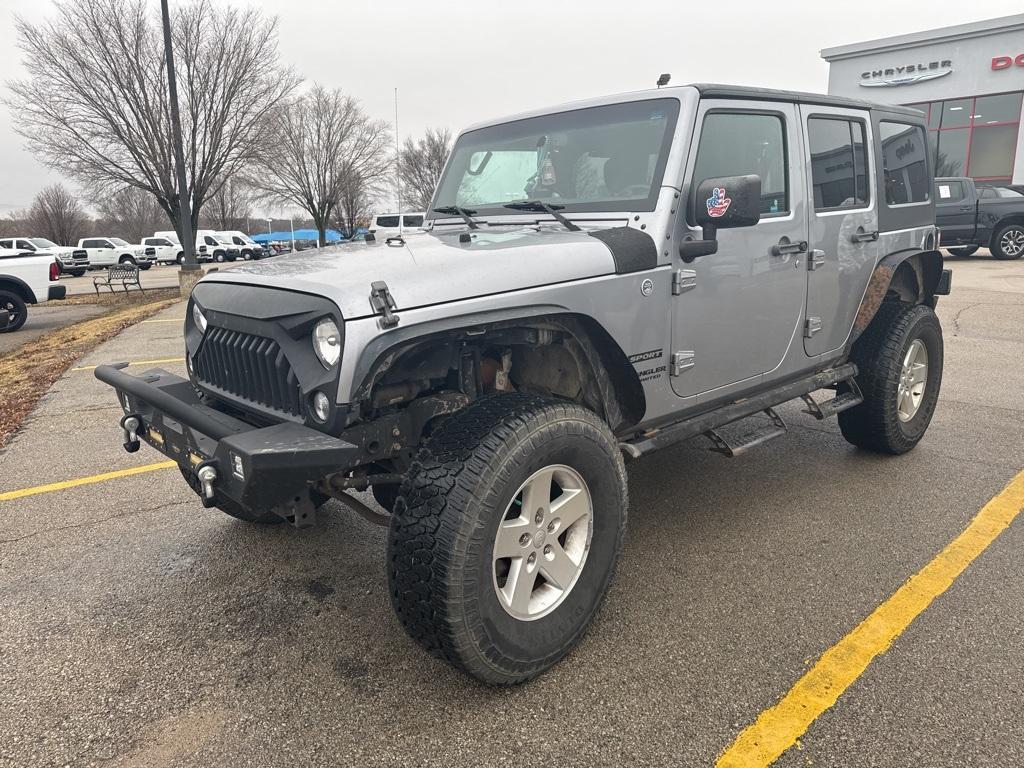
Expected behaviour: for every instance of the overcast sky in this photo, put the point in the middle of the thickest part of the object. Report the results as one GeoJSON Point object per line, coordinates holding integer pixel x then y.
{"type": "Point", "coordinates": [459, 61]}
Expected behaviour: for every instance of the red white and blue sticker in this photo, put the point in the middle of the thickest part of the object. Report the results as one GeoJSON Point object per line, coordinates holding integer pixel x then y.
{"type": "Point", "coordinates": [718, 203]}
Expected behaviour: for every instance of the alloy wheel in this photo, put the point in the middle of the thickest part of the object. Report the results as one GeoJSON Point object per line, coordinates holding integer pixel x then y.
{"type": "Point", "coordinates": [913, 380]}
{"type": "Point", "coordinates": [1012, 242]}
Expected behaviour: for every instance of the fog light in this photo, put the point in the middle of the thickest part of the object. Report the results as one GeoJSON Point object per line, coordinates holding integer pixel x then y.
{"type": "Point", "coordinates": [321, 406]}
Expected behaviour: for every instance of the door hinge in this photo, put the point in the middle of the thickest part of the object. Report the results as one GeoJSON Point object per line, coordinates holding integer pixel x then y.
{"type": "Point", "coordinates": [382, 302]}
{"type": "Point", "coordinates": [683, 280]}
{"type": "Point", "coordinates": [681, 361]}
{"type": "Point", "coordinates": [812, 326]}
{"type": "Point", "coordinates": [816, 260]}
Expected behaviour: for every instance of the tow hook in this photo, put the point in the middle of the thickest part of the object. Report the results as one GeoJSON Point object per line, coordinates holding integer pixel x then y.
{"type": "Point", "coordinates": [207, 475]}
{"type": "Point", "coordinates": [131, 424]}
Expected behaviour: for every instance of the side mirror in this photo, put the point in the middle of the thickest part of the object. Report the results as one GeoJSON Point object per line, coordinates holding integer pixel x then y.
{"type": "Point", "coordinates": [725, 202]}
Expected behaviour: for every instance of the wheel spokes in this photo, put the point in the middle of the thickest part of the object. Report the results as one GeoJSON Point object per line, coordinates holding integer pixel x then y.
{"type": "Point", "coordinates": [537, 494]}
{"type": "Point", "coordinates": [519, 585]}
{"type": "Point", "coordinates": [510, 532]}
{"type": "Point", "coordinates": [570, 507]}
{"type": "Point", "coordinates": [557, 567]}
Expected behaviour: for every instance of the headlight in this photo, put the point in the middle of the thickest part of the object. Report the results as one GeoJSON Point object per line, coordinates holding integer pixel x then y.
{"type": "Point", "coordinates": [198, 318]}
{"type": "Point", "coordinates": [327, 342]}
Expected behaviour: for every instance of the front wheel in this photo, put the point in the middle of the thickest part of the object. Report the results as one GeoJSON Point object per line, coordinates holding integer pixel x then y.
{"type": "Point", "coordinates": [899, 359]}
{"type": "Point", "coordinates": [180, 259]}
{"type": "Point", "coordinates": [127, 260]}
{"type": "Point", "coordinates": [144, 267]}
{"type": "Point", "coordinates": [77, 272]}
{"type": "Point", "coordinates": [1008, 242]}
{"type": "Point", "coordinates": [14, 311]}
{"type": "Point", "coordinates": [505, 535]}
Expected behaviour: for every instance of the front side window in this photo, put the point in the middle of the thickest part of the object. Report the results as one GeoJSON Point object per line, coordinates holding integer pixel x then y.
{"type": "Point", "coordinates": [601, 158]}
{"type": "Point", "coordinates": [42, 242]}
{"type": "Point", "coordinates": [118, 242]}
{"type": "Point", "coordinates": [740, 143]}
{"type": "Point", "coordinates": [209, 240]}
{"type": "Point", "coordinates": [904, 163]}
{"type": "Point", "coordinates": [838, 167]}
{"type": "Point", "coordinates": [1010, 193]}
{"type": "Point", "coordinates": [387, 221]}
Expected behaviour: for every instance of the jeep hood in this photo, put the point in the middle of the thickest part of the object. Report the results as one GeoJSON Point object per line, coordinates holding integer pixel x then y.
{"type": "Point", "coordinates": [431, 268]}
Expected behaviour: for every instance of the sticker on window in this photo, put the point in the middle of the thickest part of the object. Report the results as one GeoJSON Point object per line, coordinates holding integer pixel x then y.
{"type": "Point", "coordinates": [944, 192]}
{"type": "Point", "coordinates": [718, 203]}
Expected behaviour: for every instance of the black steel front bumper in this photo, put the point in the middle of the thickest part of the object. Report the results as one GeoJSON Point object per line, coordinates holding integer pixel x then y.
{"type": "Point", "coordinates": [264, 469]}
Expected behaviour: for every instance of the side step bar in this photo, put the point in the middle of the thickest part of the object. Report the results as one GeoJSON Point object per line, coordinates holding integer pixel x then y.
{"type": "Point", "coordinates": [726, 414]}
{"type": "Point", "coordinates": [720, 444]}
{"type": "Point", "coordinates": [853, 396]}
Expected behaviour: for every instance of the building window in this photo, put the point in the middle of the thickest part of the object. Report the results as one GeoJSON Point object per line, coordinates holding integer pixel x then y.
{"type": "Point", "coordinates": [837, 163]}
{"type": "Point", "coordinates": [974, 137]}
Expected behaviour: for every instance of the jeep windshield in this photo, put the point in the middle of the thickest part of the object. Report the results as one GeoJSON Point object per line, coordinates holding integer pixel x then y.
{"type": "Point", "coordinates": [607, 158]}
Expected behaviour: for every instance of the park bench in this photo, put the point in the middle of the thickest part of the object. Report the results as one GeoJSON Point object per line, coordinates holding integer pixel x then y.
{"type": "Point", "coordinates": [120, 274]}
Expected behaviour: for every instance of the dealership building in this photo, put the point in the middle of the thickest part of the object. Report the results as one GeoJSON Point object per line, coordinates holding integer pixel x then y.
{"type": "Point", "coordinates": [967, 79]}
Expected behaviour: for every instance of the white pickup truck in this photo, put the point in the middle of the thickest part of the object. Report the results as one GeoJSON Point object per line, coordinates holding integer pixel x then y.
{"type": "Point", "coordinates": [25, 278]}
{"type": "Point", "coordinates": [108, 251]}
{"type": "Point", "coordinates": [168, 250]}
{"type": "Point", "coordinates": [72, 261]}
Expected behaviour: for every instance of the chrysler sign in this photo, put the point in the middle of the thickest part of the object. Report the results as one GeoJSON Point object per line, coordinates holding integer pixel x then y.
{"type": "Point", "coordinates": [908, 74]}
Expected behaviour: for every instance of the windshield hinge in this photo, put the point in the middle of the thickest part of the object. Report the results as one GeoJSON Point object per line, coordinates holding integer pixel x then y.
{"type": "Point", "coordinates": [382, 303]}
{"type": "Point", "coordinates": [683, 280]}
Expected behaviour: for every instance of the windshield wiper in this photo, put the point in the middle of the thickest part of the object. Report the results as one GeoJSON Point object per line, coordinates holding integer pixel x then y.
{"type": "Point", "coordinates": [455, 210]}
{"type": "Point", "coordinates": [542, 207]}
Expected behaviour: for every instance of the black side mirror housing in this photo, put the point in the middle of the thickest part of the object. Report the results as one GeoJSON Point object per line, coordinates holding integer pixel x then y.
{"type": "Point", "coordinates": [725, 202]}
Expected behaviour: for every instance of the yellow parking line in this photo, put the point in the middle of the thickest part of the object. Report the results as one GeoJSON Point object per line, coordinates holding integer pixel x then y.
{"type": "Point", "coordinates": [64, 484]}
{"type": "Point", "coordinates": [779, 728]}
{"type": "Point", "coordinates": [137, 362]}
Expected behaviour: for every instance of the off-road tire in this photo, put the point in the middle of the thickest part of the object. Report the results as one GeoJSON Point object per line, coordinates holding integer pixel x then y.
{"type": "Point", "coordinates": [963, 250]}
{"type": "Point", "coordinates": [996, 246]}
{"type": "Point", "coordinates": [231, 507]}
{"type": "Point", "coordinates": [16, 309]}
{"type": "Point", "coordinates": [77, 272]}
{"type": "Point", "coordinates": [875, 424]}
{"type": "Point", "coordinates": [443, 528]}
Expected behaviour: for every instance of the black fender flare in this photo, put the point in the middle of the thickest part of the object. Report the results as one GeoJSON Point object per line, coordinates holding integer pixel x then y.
{"type": "Point", "coordinates": [19, 286]}
{"type": "Point", "coordinates": [919, 275]}
{"type": "Point", "coordinates": [617, 385]}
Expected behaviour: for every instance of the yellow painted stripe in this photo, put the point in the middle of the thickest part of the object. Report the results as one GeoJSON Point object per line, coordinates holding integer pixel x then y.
{"type": "Point", "coordinates": [779, 728]}
{"type": "Point", "coordinates": [64, 484]}
{"type": "Point", "coordinates": [137, 362]}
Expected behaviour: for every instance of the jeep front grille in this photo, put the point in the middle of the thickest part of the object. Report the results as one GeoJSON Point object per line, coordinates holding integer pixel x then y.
{"type": "Point", "coordinates": [248, 367]}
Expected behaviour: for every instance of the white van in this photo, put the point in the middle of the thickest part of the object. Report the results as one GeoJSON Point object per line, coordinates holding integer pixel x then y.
{"type": "Point", "coordinates": [219, 248]}
{"type": "Point", "coordinates": [247, 247]}
{"type": "Point", "coordinates": [385, 225]}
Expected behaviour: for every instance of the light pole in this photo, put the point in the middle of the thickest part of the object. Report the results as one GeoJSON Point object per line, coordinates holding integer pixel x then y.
{"type": "Point", "coordinates": [190, 270]}
{"type": "Point", "coordinates": [292, 222]}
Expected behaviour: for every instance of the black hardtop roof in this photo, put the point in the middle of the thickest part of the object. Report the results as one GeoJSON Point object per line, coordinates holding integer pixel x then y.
{"type": "Point", "coordinates": [769, 94]}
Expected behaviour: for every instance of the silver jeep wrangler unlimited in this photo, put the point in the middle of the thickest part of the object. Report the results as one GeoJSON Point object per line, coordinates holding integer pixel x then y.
{"type": "Point", "coordinates": [595, 282]}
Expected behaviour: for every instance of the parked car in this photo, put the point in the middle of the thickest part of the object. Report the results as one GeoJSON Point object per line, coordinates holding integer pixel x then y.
{"type": "Point", "coordinates": [386, 225]}
{"type": "Point", "coordinates": [167, 251]}
{"type": "Point", "coordinates": [972, 216]}
{"type": "Point", "coordinates": [596, 281]}
{"type": "Point", "coordinates": [26, 277]}
{"type": "Point", "coordinates": [72, 261]}
{"type": "Point", "coordinates": [107, 251]}
{"type": "Point", "coordinates": [247, 247]}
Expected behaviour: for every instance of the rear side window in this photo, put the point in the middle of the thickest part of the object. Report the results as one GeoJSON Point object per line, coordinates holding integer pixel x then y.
{"type": "Point", "coordinates": [904, 164]}
{"type": "Point", "coordinates": [387, 221]}
{"type": "Point", "coordinates": [738, 143]}
{"type": "Point", "coordinates": [949, 191]}
{"type": "Point", "coordinates": [6, 244]}
{"type": "Point", "coordinates": [94, 244]}
{"type": "Point", "coordinates": [838, 165]}
{"type": "Point", "coordinates": [412, 221]}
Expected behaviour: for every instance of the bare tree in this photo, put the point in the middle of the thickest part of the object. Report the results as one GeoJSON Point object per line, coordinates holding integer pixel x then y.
{"type": "Point", "coordinates": [95, 101]}
{"type": "Point", "coordinates": [354, 205]}
{"type": "Point", "coordinates": [130, 213]}
{"type": "Point", "coordinates": [230, 205]}
{"type": "Point", "coordinates": [420, 165]}
{"type": "Point", "coordinates": [14, 223]}
{"type": "Point", "coordinates": [324, 142]}
{"type": "Point", "coordinates": [57, 215]}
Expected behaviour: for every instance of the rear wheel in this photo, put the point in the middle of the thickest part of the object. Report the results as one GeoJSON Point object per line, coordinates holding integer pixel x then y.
{"type": "Point", "coordinates": [964, 250]}
{"type": "Point", "coordinates": [505, 535]}
{"type": "Point", "coordinates": [14, 311]}
{"type": "Point", "coordinates": [1008, 242]}
{"type": "Point", "coordinates": [180, 258]}
{"type": "Point", "coordinates": [899, 359]}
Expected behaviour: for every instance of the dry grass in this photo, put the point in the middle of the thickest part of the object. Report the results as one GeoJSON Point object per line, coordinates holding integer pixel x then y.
{"type": "Point", "coordinates": [28, 371]}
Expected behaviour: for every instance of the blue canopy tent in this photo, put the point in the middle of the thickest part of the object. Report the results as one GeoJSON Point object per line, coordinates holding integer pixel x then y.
{"type": "Point", "coordinates": [333, 236]}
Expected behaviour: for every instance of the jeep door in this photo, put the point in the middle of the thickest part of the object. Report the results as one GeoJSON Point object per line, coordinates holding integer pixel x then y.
{"type": "Point", "coordinates": [843, 222]}
{"type": "Point", "coordinates": [736, 313]}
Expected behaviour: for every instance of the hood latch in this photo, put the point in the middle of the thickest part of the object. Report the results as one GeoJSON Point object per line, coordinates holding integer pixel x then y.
{"type": "Point", "coordinates": [382, 303]}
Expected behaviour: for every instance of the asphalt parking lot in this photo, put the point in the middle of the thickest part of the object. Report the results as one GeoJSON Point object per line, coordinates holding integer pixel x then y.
{"type": "Point", "coordinates": [138, 629]}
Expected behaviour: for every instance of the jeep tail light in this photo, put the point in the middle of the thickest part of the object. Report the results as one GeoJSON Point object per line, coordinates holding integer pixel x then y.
{"type": "Point", "coordinates": [54, 271]}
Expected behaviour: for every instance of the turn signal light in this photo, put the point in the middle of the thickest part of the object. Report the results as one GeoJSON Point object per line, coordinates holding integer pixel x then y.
{"type": "Point", "coordinates": [54, 271]}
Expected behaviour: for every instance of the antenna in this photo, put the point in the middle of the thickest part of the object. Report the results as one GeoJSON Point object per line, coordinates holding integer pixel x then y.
{"type": "Point", "coordinates": [663, 79]}
{"type": "Point", "coordinates": [398, 168]}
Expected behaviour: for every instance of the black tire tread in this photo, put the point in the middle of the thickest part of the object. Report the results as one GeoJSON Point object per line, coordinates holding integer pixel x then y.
{"type": "Point", "coordinates": [20, 310]}
{"type": "Point", "coordinates": [994, 248]}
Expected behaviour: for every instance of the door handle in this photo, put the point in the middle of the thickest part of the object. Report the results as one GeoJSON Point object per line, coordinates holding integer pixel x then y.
{"type": "Point", "coordinates": [784, 247]}
{"type": "Point", "coordinates": [864, 237]}
{"type": "Point", "coordinates": [966, 207]}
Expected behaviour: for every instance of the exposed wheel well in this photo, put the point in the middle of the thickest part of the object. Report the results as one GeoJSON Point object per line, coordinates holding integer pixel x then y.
{"type": "Point", "coordinates": [908, 277]}
{"type": "Point", "coordinates": [570, 357]}
{"type": "Point", "coordinates": [18, 288]}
